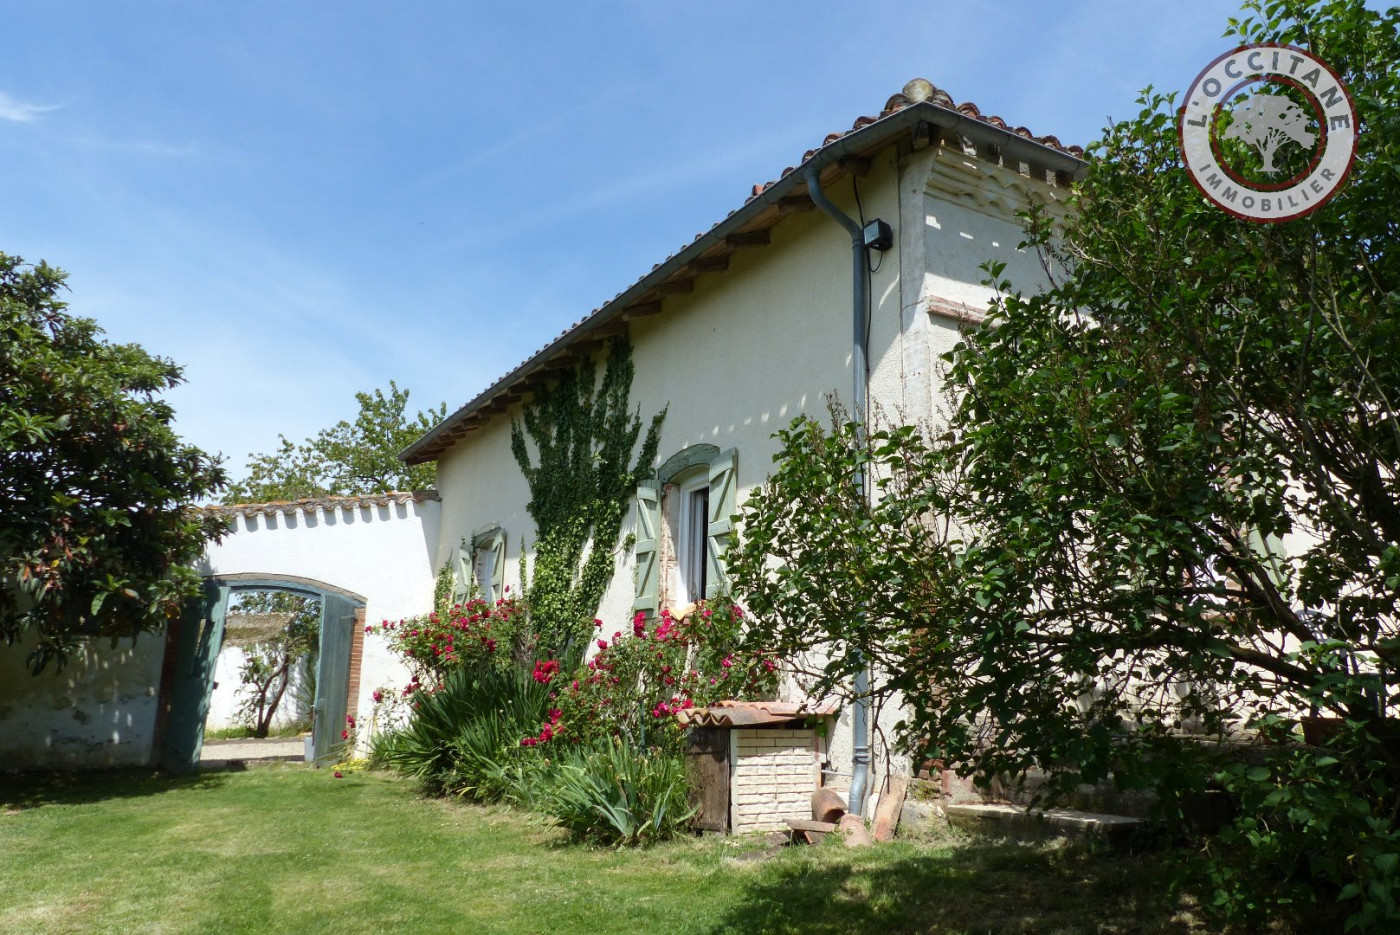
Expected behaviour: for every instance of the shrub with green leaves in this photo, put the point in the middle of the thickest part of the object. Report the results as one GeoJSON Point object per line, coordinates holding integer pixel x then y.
{"type": "Point", "coordinates": [1160, 524]}
{"type": "Point", "coordinates": [463, 738]}
{"type": "Point", "coordinates": [542, 740]}
{"type": "Point", "coordinates": [636, 681]}
{"type": "Point", "coordinates": [457, 636]}
{"type": "Point", "coordinates": [610, 792]}
{"type": "Point", "coordinates": [96, 534]}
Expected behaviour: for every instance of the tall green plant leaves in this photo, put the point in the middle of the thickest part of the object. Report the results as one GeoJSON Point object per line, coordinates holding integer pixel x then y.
{"type": "Point", "coordinates": [461, 738]}
{"type": "Point", "coordinates": [613, 793]}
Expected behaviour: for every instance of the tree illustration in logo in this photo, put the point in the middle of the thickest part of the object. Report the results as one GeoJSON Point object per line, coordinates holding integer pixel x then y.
{"type": "Point", "coordinates": [1265, 121]}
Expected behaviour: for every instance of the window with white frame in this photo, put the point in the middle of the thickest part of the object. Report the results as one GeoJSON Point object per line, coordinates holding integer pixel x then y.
{"type": "Point", "coordinates": [481, 565]}
{"type": "Point", "coordinates": [683, 528]}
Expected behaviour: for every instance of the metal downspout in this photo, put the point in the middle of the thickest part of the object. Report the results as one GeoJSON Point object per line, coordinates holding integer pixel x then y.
{"type": "Point", "coordinates": [860, 317]}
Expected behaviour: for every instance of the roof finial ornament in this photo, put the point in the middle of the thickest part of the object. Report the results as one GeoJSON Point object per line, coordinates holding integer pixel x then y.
{"type": "Point", "coordinates": [921, 89]}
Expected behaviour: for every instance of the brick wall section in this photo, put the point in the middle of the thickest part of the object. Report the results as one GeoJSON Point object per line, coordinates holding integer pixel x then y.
{"type": "Point", "coordinates": [357, 650]}
{"type": "Point", "coordinates": [774, 773]}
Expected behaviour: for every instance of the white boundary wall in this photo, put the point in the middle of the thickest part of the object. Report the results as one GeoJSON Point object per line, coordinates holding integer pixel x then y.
{"type": "Point", "coordinates": [378, 547]}
{"type": "Point", "coordinates": [97, 711]}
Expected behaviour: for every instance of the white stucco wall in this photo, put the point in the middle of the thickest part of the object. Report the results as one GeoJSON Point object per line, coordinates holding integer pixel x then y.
{"type": "Point", "coordinates": [382, 552]}
{"type": "Point", "coordinates": [970, 212]}
{"type": "Point", "coordinates": [98, 711]}
{"type": "Point", "coordinates": [764, 341]}
{"type": "Point", "coordinates": [226, 698]}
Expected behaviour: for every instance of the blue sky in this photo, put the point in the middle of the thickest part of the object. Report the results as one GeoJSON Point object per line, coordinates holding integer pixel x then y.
{"type": "Point", "coordinates": [298, 200]}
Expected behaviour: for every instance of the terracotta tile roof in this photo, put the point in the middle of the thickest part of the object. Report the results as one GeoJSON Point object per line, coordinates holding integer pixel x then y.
{"type": "Point", "coordinates": [918, 91]}
{"type": "Point", "coordinates": [920, 109]}
{"type": "Point", "coordinates": [315, 503]}
{"type": "Point", "coordinates": [250, 629]}
{"type": "Point", "coordinates": [752, 713]}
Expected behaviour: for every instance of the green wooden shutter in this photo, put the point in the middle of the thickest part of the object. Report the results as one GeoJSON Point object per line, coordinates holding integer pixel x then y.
{"type": "Point", "coordinates": [462, 580]}
{"type": "Point", "coordinates": [498, 564]}
{"type": "Point", "coordinates": [723, 480]}
{"type": "Point", "coordinates": [648, 569]}
{"type": "Point", "coordinates": [1268, 549]}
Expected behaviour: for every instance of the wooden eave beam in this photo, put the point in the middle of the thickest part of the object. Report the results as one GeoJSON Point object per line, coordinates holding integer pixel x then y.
{"type": "Point", "coordinates": [923, 135]}
{"type": "Point", "coordinates": [586, 347]}
{"type": "Point", "coordinates": [795, 204]}
{"type": "Point", "coordinates": [676, 287]}
{"type": "Point", "coordinates": [758, 238]}
{"type": "Point", "coordinates": [855, 165]}
{"type": "Point", "coordinates": [641, 310]}
{"type": "Point", "coordinates": [612, 329]}
{"type": "Point", "coordinates": [711, 264]}
{"type": "Point", "coordinates": [564, 357]}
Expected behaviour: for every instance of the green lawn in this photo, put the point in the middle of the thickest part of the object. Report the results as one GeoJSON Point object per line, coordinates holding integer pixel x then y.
{"type": "Point", "coordinates": [295, 850]}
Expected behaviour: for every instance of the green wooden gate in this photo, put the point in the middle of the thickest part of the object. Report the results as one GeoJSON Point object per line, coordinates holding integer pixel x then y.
{"type": "Point", "coordinates": [199, 639]}
{"type": "Point", "coordinates": [332, 676]}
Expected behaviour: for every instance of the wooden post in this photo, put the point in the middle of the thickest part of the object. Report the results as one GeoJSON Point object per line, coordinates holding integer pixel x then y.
{"type": "Point", "coordinates": [707, 762]}
{"type": "Point", "coordinates": [891, 804]}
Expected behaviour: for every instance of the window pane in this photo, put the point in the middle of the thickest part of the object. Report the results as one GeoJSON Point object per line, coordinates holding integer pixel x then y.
{"type": "Point", "coordinates": [485, 571]}
{"type": "Point", "coordinates": [698, 526]}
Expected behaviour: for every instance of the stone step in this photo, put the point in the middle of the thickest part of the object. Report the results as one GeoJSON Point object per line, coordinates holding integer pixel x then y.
{"type": "Point", "coordinates": [1015, 821]}
{"type": "Point", "coordinates": [242, 764]}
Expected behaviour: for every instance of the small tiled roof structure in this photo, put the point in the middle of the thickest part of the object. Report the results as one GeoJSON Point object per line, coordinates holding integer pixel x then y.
{"type": "Point", "coordinates": [753, 713]}
{"type": "Point", "coordinates": [319, 503]}
{"type": "Point", "coordinates": [250, 629]}
{"type": "Point", "coordinates": [921, 112]}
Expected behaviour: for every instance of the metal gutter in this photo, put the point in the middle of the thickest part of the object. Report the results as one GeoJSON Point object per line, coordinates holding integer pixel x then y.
{"type": "Point", "coordinates": [860, 378]}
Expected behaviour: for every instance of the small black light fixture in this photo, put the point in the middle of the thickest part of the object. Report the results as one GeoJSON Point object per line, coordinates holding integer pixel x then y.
{"type": "Point", "coordinates": [877, 235]}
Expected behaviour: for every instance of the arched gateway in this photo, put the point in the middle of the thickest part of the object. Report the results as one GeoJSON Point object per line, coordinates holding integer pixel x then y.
{"type": "Point", "coordinates": [363, 558]}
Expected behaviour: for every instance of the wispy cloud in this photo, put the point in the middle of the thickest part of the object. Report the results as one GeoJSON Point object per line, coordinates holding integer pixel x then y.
{"type": "Point", "coordinates": [18, 111]}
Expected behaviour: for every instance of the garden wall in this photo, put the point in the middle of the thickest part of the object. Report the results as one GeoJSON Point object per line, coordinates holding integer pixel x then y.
{"type": "Point", "coordinates": [378, 546]}
{"type": "Point", "coordinates": [98, 711]}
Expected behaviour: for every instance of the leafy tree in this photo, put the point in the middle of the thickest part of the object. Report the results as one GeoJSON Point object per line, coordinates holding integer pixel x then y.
{"type": "Point", "coordinates": [1165, 508]}
{"type": "Point", "coordinates": [270, 665]}
{"type": "Point", "coordinates": [95, 534]}
{"type": "Point", "coordinates": [580, 489]}
{"type": "Point", "coordinates": [349, 458]}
